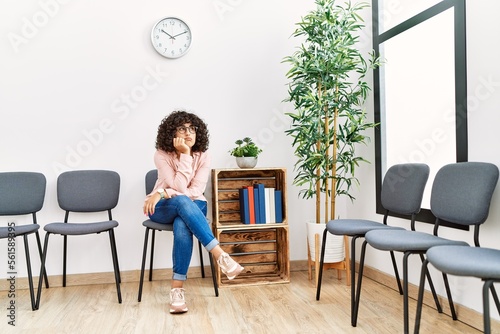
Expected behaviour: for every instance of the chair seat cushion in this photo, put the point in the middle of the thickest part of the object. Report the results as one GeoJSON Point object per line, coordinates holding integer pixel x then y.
{"type": "Point", "coordinates": [466, 261]}
{"type": "Point", "coordinates": [355, 227]}
{"type": "Point", "coordinates": [80, 228]}
{"type": "Point", "coordinates": [19, 230]}
{"type": "Point", "coordinates": [404, 240]}
{"type": "Point", "coordinates": [158, 226]}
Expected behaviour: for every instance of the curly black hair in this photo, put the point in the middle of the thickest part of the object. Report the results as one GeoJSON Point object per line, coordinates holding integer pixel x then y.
{"type": "Point", "coordinates": [168, 127]}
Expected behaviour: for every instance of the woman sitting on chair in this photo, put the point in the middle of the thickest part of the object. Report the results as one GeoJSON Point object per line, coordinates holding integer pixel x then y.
{"type": "Point", "coordinates": [183, 165]}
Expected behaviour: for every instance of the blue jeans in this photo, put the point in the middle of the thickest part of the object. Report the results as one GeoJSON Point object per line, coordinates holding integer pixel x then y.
{"type": "Point", "coordinates": [189, 218]}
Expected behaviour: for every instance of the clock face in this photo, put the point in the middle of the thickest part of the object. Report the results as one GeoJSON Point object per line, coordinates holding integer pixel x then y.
{"type": "Point", "coordinates": [171, 37]}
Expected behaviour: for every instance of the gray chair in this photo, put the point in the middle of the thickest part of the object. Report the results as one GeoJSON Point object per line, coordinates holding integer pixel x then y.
{"type": "Point", "coordinates": [85, 191]}
{"type": "Point", "coordinates": [150, 225]}
{"type": "Point", "coordinates": [21, 193]}
{"type": "Point", "coordinates": [402, 192]}
{"type": "Point", "coordinates": [483, 263]}
{"type": "Point", "coordinates": [461, 194]}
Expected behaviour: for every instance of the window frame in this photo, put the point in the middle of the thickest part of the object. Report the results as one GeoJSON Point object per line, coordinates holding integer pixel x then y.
{"type": "Point", "coordinates": [460, 60]}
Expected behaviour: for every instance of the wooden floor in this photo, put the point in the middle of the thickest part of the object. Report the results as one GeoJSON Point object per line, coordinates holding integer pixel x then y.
{"type": "Point", "coordinates": [278, 308]}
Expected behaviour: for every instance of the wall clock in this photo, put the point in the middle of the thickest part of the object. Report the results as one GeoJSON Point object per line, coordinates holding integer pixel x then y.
{"type": "Point", "coordinates": [171, 37]}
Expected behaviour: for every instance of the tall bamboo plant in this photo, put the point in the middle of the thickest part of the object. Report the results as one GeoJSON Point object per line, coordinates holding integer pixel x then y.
{"type": "Point", "coordinates": [328, 89]}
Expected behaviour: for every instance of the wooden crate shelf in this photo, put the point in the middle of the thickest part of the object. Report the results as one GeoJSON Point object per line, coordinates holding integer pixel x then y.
{"type": "Point", "coordinates": [263, 253]}
{"type": "Point", "coordinates": [263, 249]}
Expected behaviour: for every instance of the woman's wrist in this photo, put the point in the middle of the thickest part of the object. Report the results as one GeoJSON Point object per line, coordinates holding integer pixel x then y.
{"type": "Point", "coordinates": [163, 193]}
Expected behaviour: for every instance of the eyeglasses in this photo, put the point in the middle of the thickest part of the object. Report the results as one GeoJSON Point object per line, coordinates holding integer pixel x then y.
{"type": "Point", "coordinates": [183, 129]}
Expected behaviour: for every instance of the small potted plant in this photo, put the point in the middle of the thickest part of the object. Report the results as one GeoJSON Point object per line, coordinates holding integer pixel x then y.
{"type": "Point", "coordinates": [245, 152]}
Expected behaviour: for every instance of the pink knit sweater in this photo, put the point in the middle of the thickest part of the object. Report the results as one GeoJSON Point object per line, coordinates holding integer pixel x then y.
{"type": "Point", "coordinates": [186, 175]}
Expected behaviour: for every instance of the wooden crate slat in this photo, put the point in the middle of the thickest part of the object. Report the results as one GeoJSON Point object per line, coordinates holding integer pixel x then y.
{"type": "Point", "coordinates": [254, 280]}
{"type": "Point", "coordinates": [228, 195]}
{"type": "Point", "coordinates": [256, 258]}
{"type": "Point", "coordinates": [247, 235]}
{"type": "Point", "coordinates": [231, 184]}
{"type": "Point", "coordinates": [246, 173]}
{"type": "Point", "coordinates": [249, 247]}
{"type": "Point", "coordinates": [230, 217]}
{"type": "Point", "coordinates": [260, 270]}
{"type": "Point", "coordinates": [229, 206]}
{"type": "Point", "coordinates": [234, 184]}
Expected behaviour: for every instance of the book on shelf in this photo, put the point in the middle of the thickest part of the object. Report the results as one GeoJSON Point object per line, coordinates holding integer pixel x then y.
{"type": "Point", "coordinates": [244, 206]}
{"type": "Point", "coordinates": [251, 204]}
{"type": "Point", "coordinates": [270, 206]}
{"type": "Point", "coordinates": [260, 200]}
{"type": "Point", "coordinates": [278, 206]}
{"type": "Point", "coordinates": [256, 206]}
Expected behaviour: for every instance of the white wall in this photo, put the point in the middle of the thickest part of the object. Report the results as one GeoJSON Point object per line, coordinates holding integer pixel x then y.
{"type": "Point", "coordinates": [84, 89]}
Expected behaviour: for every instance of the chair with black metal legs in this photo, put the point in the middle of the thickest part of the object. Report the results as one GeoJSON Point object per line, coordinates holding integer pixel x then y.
{"type": "Point", "coordinates": [150, 225]}
{"type": "Point", "coordinates": [483, 263]}
{"type": "Point", "coordinates": [461, 194]}
{"type": "Point", "coordinates": [401, 194]}
{"type": "Point", "coordinates": [85, 191]}
{"type": "Point", "coordinates": [21, 193]}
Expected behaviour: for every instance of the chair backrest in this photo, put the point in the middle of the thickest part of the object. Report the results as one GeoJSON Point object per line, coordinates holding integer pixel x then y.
{"type": "Point", "coordinates": [403, 188]}
{"type": "Point", "coordinates": [151, 178]}
{"type": "Point", "coordinates": [88, 190]}
{"type": "Point", "coordinates": [461, 192]}
{"type": "Point", "coordinates": [21, 193]}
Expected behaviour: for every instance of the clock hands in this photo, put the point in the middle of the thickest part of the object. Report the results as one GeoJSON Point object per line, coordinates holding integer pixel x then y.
{"type": "Point", "coordinates": [171, 37]}
{"type": "Point", "coordinates": [180, 33]}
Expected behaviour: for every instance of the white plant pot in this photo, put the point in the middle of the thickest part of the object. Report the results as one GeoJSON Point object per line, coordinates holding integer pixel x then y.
{"type": "Point", "coordinates": [334, 251]}
{"type": "Point", "coordinates": [246, 162]}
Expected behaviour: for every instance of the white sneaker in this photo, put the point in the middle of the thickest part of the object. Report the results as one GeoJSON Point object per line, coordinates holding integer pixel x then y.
{"type": "Point", "coordinates": [177, 301]}
{"type": "Point", "coordinates": [228, 266]}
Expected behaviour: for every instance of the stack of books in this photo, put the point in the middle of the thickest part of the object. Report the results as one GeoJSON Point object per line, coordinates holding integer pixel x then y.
{"type": "Point", "coordinates": [260, 205]}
